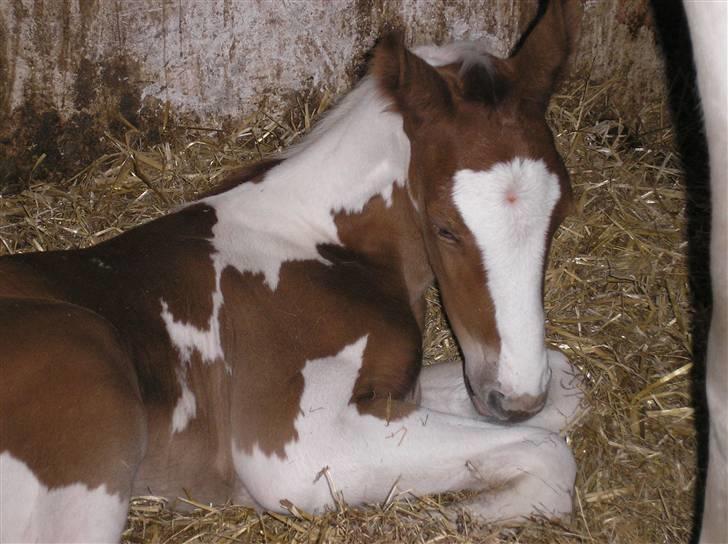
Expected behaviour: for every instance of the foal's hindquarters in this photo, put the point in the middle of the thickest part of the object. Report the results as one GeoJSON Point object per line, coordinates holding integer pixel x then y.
{"type": "Point", "coordinates": [72, 424]}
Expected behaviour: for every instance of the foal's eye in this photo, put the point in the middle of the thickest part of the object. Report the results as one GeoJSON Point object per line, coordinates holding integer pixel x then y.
{"type": "Point", "coordinates": [445, 234]}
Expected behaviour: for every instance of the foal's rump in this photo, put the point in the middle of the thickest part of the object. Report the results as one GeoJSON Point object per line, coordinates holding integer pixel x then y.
{"type": "Point", "coordinates": [71, 421]}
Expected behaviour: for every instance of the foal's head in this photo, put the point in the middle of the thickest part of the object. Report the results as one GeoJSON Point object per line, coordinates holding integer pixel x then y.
{"type": "Point", "coordinates": [488, 189]}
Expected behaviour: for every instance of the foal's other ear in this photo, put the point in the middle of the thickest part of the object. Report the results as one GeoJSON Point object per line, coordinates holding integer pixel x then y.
{"type": "Point", "coordinates": [542, 55]}
{"type": "Point", "coordinates": [418, 90]}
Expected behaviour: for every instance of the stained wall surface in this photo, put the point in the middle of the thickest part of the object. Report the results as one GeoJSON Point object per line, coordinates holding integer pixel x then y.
{"type": "Point", "coordinates": [71, 69]}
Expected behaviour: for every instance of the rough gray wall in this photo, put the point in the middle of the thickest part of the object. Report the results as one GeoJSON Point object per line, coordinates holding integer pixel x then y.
{"type": "Point", "coordinates": [70, 69]}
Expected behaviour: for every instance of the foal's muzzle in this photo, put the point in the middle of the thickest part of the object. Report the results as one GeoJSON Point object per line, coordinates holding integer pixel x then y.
{"type": "Point", "coordinates": [514, 409]}
{"type": "Point", "coordinates": [500, 408]}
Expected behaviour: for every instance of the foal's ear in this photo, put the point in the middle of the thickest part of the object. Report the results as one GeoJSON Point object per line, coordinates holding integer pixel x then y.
{"type": "Point", "coordinates": [417, 89]}
{"type": "Point", "coordinates": [542, 55]}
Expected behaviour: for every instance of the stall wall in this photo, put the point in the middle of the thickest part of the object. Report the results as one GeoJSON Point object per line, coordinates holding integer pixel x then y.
{"type": "Point", "coordinates": [71, 69]}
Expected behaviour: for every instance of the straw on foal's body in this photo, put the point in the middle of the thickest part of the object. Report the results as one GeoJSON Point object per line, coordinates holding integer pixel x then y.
{"type": "Point", "coordinates": [265, 342]}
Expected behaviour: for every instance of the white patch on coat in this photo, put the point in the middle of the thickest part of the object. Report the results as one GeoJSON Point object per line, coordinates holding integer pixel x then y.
{"type": "Point", "coordinates": [323, 405]}
{"type": "Point", "coordinates": [187, 338]}
{"type": "Point", "coordinates": [31, 512]}
{"type": "Point", "coordinates": [508, 209]}
{"type": "Point", "coordinates": [360, 151]}
{"type": "Point", "coordinates": [185, 410]}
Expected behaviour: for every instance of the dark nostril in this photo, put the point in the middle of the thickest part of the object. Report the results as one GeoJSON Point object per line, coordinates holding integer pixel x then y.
{"type": "Point", "coordinates": [513, 409]}
{"type": "Point", "coordinates": [495, 401]}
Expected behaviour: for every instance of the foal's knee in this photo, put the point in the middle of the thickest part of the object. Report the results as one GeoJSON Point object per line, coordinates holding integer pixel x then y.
{"type": "Point", "coordinates": [535, 477]}
{"type": "Point", "coordinates": [553, 477]}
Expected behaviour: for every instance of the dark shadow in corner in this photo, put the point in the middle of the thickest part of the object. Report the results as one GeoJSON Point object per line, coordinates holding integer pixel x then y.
{"type": "Point", "coordinates": [674, 38]}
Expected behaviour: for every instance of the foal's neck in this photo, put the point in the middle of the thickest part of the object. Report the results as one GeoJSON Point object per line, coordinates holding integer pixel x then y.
{"type": "Point", "coordinates": [344, 185]}
{"type": "Point", "coordinates": [359, 155]}
{"type": "Point", "coordinates": [357, 152]}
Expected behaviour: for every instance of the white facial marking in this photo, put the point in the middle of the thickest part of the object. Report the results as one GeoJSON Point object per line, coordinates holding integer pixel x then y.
{"type": "Point", "coordinates": [30, 512]}
{"type": "Point", "coordinates": [508, 209]}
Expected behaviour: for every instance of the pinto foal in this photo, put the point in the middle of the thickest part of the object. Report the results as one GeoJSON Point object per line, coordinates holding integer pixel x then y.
{"type": "Point", "coordinates": [250, 342]}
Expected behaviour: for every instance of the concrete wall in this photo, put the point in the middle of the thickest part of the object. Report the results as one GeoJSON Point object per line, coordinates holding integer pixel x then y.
{"type": "Point", "coordinates": [70, 69]}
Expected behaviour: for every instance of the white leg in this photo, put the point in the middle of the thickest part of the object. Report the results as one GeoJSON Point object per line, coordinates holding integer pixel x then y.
{"type": "Point", "coordinates": [708, 23]}
{"type": "Point", "coordinates": [362, 457]}
{"type": "Point", "coordinates": [443, 389]}
{"type": "Point", "coordinates": [565, 396]}
{"type": "Point", "coordinates": [340, 450]}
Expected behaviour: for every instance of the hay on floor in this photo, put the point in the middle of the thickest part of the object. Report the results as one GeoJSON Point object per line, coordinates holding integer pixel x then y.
{"type": "Point", "coordinates": [617, 303]}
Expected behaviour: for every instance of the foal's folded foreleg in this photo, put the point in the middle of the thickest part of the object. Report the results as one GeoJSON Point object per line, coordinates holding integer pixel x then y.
{"type": "Point", "coordinates": [358, 457]}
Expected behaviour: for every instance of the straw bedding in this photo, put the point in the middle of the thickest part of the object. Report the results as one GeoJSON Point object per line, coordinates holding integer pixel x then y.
{"type": "Point", "coordinates": [617, 302]}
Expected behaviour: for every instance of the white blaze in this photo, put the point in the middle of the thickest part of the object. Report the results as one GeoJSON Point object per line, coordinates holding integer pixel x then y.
{"type": "Point", "coordinates": [508, 209]}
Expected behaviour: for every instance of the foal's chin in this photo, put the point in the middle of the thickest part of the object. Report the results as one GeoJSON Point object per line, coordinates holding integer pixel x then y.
{"type": "Point", "coordinates": [494, 416]}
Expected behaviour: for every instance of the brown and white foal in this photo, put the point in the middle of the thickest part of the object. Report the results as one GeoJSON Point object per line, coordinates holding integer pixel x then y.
{"type": "Point", "coordinates": [266, 341]}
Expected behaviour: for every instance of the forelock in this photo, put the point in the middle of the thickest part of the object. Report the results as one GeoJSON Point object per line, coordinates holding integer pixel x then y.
{"type": "Point", "coordinates": [468, 53]}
